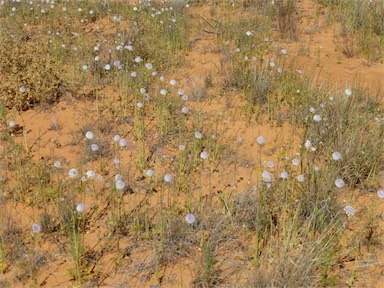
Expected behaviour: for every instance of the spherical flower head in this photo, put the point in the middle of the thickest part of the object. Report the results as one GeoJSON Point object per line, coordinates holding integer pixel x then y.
{"type": "Point", "coordinates": [85, 67]}
{"type": "Point", "coordinates": [116, 161]}
{"type": "Point", "coordinates": [120, 185]}
{"type": "Point", "coordinates": [260, 140]}
{"type": "Point", "coordinates": [300, 178]}
{"type": "Point", "coordinates": [140, 105]}
{"type": "Point", "coordinates": [107, 67]}
{"type": "Point", "coordinates": [91, 174]}
{"type": "Point", "coordinates": [123, 143]}
{"type": "Point", "coordinates": [80, 208]}
{"type": "Point", "coordinates": [204, 155]}
{"type": "Point", "coordinates": [380, 194]}
{"type": "Point", "coordinates": [248, 33]}
{"type": "Point", "coordinates": [73, 173]}
{"type": "Point", "coordinates": [149, 66]}
{"type": "Point", "coordinates": [89, 135]}
{"type": "Point", "coordinates": [138, 59]}
{"type": "Point", "coordinates": [312, 110]}
{"type": "Point", "coordinates": [308, 144]}
{"type": "Point", "coordinates": [270, 164]}
{"type": "Point", "coordinates": [163, 92]}
{"type": "Point", "coordinates": [150, 172]}
{"type": "Point", "coordinates": [181, 147]}
{"type": "Point", "coordinates": [180, 92]}
{"type": "Point", "coordinates": [22, 89]}
{"type": "Point", "coordinates": [295, 162]}
{"type": "Point", "coordinates": [172, 82]}
{"type": "Point", "coordinates": [11, 124]}
{"type": "Point", "coordinates": [185, 110]}
{"type": "Point", "coordinates": [266, 176]}
{"type": "Point", "coordinates": [168, 178]}
{"type": "Point", "coordinates": [284, 51]}
{"type": "Point", "coordinates": [198, 135]}
{"type": "Point", "coordinates": [348, 92]}
{"type": "Point", "coordinates": [339, 183]}
{"type": "Point", "coordinates": [36, 228]}
{"type": "Point", "coordinates": [94, 147]}
{"type": "Point", "coordinates": [317, 118]}
{"type": "Point", "coordinates": [284, 175]}
{"type": "Point", "coordinates": [190, 218]}
{"type": "Point", "coordinates": [336, 156]}
{"type": "Point", "coordinates": [97, 58]}
{"type": "Point", "coordinates": [134, 74]}
{"type": "Point", "coordinates": [57, 164]}
{"type": "Point", "coordinates": [143, 90]}
{"type": "Point", "coordinates": [185, 97]}
{"type": "Point", "coordinates": [116, 138]}
{"type": "Point", "coordinates": [349, 210]}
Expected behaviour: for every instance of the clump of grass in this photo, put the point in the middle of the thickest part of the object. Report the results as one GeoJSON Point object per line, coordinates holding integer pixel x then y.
{"type": "Point", "coordinates": [27, 79]}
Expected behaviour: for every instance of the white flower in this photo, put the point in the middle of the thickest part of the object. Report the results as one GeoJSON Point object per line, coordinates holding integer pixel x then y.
{"type": "Point", "coordinates": [116, 161]}
{"type": "Point", "coordinates": [380, 193]}
{"type": "Point", "coordinates": [185, 97]}
{"type": "Point", "coordinates": [89, 135]}
{"type": "Point", "coordinates": [150, 172]}
{"type": "Point", "coordinates": [57, 164]}
{"type": "Point", "coordinates": [140, 105]}
{"type": "Point", "coordinates": [80, 207]}
{"type": "Point", "coordinates": [91, 174]}
{"type": "Point", "coordinates": [312, 110]}
{"type": "Point", "coordinates": [97, 58]}
{"type": "Point", "coordinates": [308, 144]}
{"type": "Point", "coordinates": [73, 173]}
{"type": "Point", "coordinates": [295, 162]}
{"type": "Point", "coordinates": [138, 59]}
{"type": "Point", "coordinates": [120, 185]}
{"type": "Point", "coordinates": [163, 92]}
{"type": "Point", "coordinates": [149, 66]}
{"type": "Point", "coordinates": [284, 175]}
{"type": "Point", "coordinates": [284, 51]}
{"type": "Point", "coordinates": [172, 82]}
{"type": "Point", "coordinates": [336, 156]}
{"type": "Point", "coordinates": [185, 110]}
{"type": "Point", "coordinates": [198, 135]}
{"type": "Point", "coordinates": [317, 118]}
{"type": "Point", "coordinates": [118, 177]}
{"type": "Point", "coordinates": [116, 138]}
{"type": "Point", "coordinates": [36, 228]}
{"type": "Point", "coordinates": [204, 155]}
{"type": "Point", "coordinates": [349, 210]}
{"type": "Point", "coordinates": [248, 33]}
{"type": "Point", "coordinates": [22, 89]}
{"type": "Point", "coordinates": [180, 92]}
{"type": "Point", "coordinates": [266, 176]}
{"type": "Point", "coordinates": [12, 124]}
{"type": "Point", "coordinates": [348, 92]}
{"type": "Point", "coordinates": [123, 143]}
{"type": "Point", "coordinates": [168, 178]}
{"type": "Point", "coordinates": [300, 178]}
{"type": "Point", "coordinates": [85, 67]}
{"type": "Point", "coordinates": [133, 74]}
{"type": "Point", "coordinates": [181, 147]}
{"type": "Point", "coordinates": [190, 218]}
{"type": "Point", "coordinates": [94, 147]}
{"type": "Point", "coordinates": [107, 67]}
{"type": "Point", "coordinates": [260, 140]}
{"type": "Point", "coordinates": [339, 183]}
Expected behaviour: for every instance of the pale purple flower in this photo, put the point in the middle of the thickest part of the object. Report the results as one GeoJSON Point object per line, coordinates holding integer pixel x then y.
{"type": "Point", "coordinates": [190, 218]}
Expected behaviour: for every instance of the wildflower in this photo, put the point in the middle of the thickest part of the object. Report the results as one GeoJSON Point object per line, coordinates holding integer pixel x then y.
{"type": "Point", "coordinates": [22, 89]}
{"type": "Point", "coordinates": [150, 172]}
{"type": "Point", "coordinates": [120, 185]}
{"type": "Point", "coordinates": [149, 66]}
{"type": "Point", "coordinates": [181, 147]}
{"type": "Point", "coordinates": [198, 135]}
{"type": "Point", "coordinates": [73, 173]}
{"type": "Point", "coordinates": [308, 144]}
{"type": "Point", "coordinates": [295, 162]}
{"type": "Point", "coordinates": [266, 176]}
{"type": "Point", "coordinates": [312, 110]}
{"type": "Point", "coordinates": [134, 74]}
{"type": "Point", "coordinates": [284, 175]}
{"type": "Point", "coordinates": [168, 178]}
{"type": "Point", "coordinates": [143, 90]}
{"type": "Point", "coordinates": [180, 92]}
{"type": "Point", "coordinates": [260, 140]}
{"type": "Point", "coordinates": [317, 118]}
{"type": "Point", "coordinates": [107, 67]}
{"type": "Point", "coordinates": [172, 82]}
{"type": "Point", "coordinates": [85, 67]}
{"type": "Point", "coordinates": [380, 193]}
{"type": "Point", "coordinates": [349, 210]}
{"type": "Point", "coordinates": [348, 92]}
{"type": "Point", "coordinates": [138, 59]}
{"type": "Point", "coordinates": [11, 124]}
{"type": "Point", "coordinates": [204, 155]}
{"type": "Point", "coordinates": [248, 33]}
{"type": "Point", "coordinates": [185, 97]}
{"type": "Point", "coordinates": [300, 178]}
{"type": "Point", "coordinates": [339, 183]}
{"type": "Point", "coordinates": [57, 164]}
{"type": "Point", "coordinates": [80, 208]}
{"type": "Point", "coordinates": [89, 135]}
{"type": "Point", "coordinates": [116, 161]}
{"type": "Point", "coordinates": [185, 110]}
{"type": "Point", "coordinates": [140, 105]}
{"type": "Point", "coordinates": [36, 228]}
{"type": "Point", "coordinates": [270, 164]}
{"type": "Point", "coordinates": [336, 156]}
{"type": "Point", "coordinates": [190, 218]}
{"type": "Point", "coordinates": [284, 51]}
{"type": "Point", "coordinates": [97, 58]}
{"type": "Point", "coordinates": [163, 92]}
{"type": "Point", "coordinates": [118, 177]}
{"type": "Point", "coordinates": [116, 138]}
{"type": "Point", "coordinates": [91, 174]}
{"type": "Point", "coordinates": [94, 147]}
{"type": "Point", "coordinates": [123, 143]}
